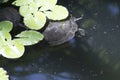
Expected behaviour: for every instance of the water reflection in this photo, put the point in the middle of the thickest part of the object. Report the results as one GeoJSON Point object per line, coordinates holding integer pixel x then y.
{"type": "Point", "coordinates": [43, 76]}
{"type": "Point", "coordinates": [114, 9]}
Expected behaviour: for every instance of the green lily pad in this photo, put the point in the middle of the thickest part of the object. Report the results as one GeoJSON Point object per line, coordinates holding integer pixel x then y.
{"type": "Point", "coordinates": [22, 2]}
{"type": "Point", "coordinates": [47, 4]}
{"type": "Point", "coordinates": [28, 9]}
{"type": "Point", "coordinates": [12, 49]}
{"type": "Point", "coordinates": [6, 26]}
{"type": "Point", "coordinates": [57, 13]}
{"type": "Point", "coordinates": [24, 10]}
{"type": "Point", "coordinates": [4, 36]}
{"type": "Point", "coordinates": [33, 7]}
{"type": "Point", "coordinates": [29, 37]}
{"type": "Point", "coordinates": [8, 47]}
{"type": "Point", "coordinates": [35, 21]}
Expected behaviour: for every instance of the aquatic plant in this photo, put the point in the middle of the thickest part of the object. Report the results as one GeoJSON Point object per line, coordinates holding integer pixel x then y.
{"type": "Point", "coordinates": [35, 12]}
{"type": "Point", "coordinates": [3, 74]}
{"type": "Point", "coordinates": [14, 48]}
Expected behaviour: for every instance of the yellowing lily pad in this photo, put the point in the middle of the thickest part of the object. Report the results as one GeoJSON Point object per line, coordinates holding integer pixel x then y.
{"type": "Point", "coordinates": [57, 13]}
{"type": "Point", "coordinates": [29, 37]}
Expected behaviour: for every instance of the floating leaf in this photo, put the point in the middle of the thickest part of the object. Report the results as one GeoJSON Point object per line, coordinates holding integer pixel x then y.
{"type": "Point", "coordinates": [24, 10]}
{"type": "Point", "coordinates": [6, 26]}
{"type": "Point", "coordinates": [22, 2]}
{"type": "Point", "coordinates": [28, 9]}
{"type": "Point", "coordinates": [4, 36]}
{"type": "Point", "coordinates": [47, 4]}
{"type": "Point", "coordinates": [8, 47]}
{"type": "Point", "coordinates": [33, 7]}
{"type": "Point", "coordinates": [3, 74]}
{"type": "Point", "coordinates": [57, 13]}
{"type": "Point", "coordinates": [36, 11]}
{"type": "Point", "coordinates": [12, 49]}
{"type": "Point", "coordinates": [35, 21]}
{"type": "Point", "coordinates": [29, 37]}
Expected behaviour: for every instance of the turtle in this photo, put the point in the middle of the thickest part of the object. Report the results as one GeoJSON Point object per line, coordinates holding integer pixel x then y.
{"type": "Point", "coordinates": [59, 32]}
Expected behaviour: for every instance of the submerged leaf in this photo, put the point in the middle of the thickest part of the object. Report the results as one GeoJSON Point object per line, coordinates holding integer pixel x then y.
{"type": "Point", "coordinates": [57, 13]}
{"type": "Point", "coordinates": [3, 74]}
{"type": "Point", "coordinates": [35, 21]}
{"type": "Point", "coordinates": [29, 37]}
{"type": "Point", "coordinates": [6, 26]}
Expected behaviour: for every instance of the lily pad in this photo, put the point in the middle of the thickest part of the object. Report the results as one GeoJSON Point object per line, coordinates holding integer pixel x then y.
{"type": "Point", "coordinates": [57, 13]}
{"type": "Point", "coordinates": [28, 9]}
{"type": "Point", "coordinates": [24, 10]}
{"type": "Point", "coordinates": [22, 2]}
{"type": "Point", "coordinates": [33, 7]}
{"type": "Point", "coordinates": [8, 47]}
{"type": "Point", "coordinates": [35, 21]}
{"type": "Point", "coordinates": [5, 36]}
{"type": "Point", "coordinates": [47, 4]}
{"type": "Point", "coordinates": [3, 74]}
{"type": "Point", "coordinates": [12, 49]}
{"type": "Point", "coordinates": [29, 37]}
{"type": "Point", "coordinates": [6, 26]}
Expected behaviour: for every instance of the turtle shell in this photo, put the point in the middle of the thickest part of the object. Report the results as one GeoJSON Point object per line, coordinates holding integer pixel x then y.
{"type": "Point", "coordinates": [60, 31]}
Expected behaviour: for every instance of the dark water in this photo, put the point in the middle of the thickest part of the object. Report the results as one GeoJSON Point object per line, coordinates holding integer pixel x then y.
{"type": "Point", "coordinates": [93, 57]}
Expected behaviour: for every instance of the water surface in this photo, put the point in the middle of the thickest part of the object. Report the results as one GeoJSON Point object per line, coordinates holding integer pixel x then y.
{"type": "Point", "coordinates": [93, 57]}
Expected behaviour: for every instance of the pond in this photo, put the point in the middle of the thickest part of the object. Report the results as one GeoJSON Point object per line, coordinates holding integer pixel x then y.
{"type": "Point", "coordinates": [95, 56]}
